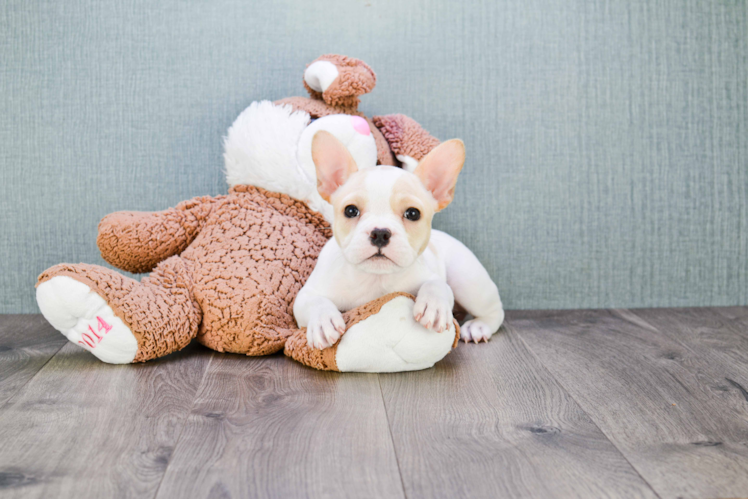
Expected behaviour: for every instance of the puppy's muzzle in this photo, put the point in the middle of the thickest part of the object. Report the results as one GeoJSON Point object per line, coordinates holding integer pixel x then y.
{"type": "Point", "coordinates": [380, 237]}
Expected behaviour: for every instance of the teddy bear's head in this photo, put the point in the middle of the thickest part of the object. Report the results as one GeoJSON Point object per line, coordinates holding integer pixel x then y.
{"type": "Point", "coordinates": [270, 146]}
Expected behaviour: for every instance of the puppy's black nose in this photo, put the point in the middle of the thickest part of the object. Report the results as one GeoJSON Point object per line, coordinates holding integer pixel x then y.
{"type": "Point", "coordinates": [380, 237]}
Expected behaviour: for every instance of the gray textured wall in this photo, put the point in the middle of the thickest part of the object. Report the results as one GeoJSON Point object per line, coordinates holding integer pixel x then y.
{"type": "Point", "coordinates": [607, 140]}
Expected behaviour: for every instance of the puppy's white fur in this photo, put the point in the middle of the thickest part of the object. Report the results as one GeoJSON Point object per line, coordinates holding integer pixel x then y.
{"type": "Point", "coordinates": [352, 270]}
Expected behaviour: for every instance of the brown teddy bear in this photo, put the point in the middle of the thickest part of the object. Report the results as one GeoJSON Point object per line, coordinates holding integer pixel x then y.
{"type": "Point", "coordinates": [226, 269]}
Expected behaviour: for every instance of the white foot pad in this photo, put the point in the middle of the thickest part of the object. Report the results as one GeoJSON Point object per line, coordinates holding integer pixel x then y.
{"type": "Point", "coordinates": [392, 341]}
{"type": "Point", "coordinates": [86, 319]}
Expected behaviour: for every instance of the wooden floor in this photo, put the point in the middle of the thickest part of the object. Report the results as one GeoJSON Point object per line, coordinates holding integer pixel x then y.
{"type": "Point", "coordinates": [614, 403]}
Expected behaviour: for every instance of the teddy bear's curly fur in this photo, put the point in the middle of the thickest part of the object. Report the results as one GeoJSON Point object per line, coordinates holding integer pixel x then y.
{"type": "Point", "coordinates": [226, 270]}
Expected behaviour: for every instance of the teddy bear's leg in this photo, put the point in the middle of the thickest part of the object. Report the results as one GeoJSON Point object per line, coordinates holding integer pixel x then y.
{"type": "Point", "coordinates": [86, 319]}
{"type": "Point", "coordinates": [407, 139]}
{"type": "Point", "coordinates": [118, 319]}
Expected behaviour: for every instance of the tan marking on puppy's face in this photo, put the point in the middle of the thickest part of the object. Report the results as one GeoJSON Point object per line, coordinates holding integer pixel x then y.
{"type": "Point", "coordinates": [409, 194]}
{"type": "Point", "coordinates": [351, 193]}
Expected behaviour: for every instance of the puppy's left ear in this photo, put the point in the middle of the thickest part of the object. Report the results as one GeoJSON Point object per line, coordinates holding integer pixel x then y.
{"type": "Point", "coordinates": [439, 170]}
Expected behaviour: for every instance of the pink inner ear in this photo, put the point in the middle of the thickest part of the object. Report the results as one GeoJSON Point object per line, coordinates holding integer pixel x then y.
{"type": "Point", "coordinates": [439, 170]}
{"type": "Point", "coordinates": [360, 125]}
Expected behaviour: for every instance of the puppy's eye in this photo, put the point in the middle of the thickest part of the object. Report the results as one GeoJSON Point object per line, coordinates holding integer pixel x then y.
{"type": "Point", "coordinates": [412, 214]}
{"type": "Point", "coordinates": [351, 211]}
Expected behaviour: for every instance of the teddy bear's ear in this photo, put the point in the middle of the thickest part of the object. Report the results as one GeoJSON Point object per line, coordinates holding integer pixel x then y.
{"type": "Point", "coordinates": [333, 162]}
{"type": "Point", "coordinates": [339, 80]}
{"type": "Point", "coordinates": [439, 170]}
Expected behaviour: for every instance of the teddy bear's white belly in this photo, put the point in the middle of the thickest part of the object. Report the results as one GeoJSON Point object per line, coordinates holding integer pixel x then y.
{"type": "Point", "coordinates": [392, 341]}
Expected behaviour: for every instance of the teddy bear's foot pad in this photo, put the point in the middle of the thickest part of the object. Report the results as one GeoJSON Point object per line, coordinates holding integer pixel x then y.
{"type": "Point", "coordinates": [86, 319]}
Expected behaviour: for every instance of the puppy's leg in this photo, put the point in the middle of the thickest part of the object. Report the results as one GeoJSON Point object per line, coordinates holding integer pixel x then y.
{"type": "Point", "coordinates": [473, 290]}
{"type": "Point", "coordinates": [434, 304]}
{"type": "Point", "coordinates": [323, 321]}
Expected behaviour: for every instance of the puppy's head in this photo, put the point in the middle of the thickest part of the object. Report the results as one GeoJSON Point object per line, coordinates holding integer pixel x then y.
{"type": "Point", "coordinates": [382, 214]}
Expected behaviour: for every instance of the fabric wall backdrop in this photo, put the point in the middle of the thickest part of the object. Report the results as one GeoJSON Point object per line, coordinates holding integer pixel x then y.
{"type": "Point", "coordinates": [607, 140]}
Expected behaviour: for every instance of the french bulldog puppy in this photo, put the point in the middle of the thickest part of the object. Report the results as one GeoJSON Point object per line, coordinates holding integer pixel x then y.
{"type": "Point", "coordinates": [383, 242]}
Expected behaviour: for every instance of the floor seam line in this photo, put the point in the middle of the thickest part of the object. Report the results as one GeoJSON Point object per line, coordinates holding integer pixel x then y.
{"type": "Point", "coordinates": [579, 405]}
{"type": "Point", "coordinates": [10, 401]}
{"type": "Point", "coordinates": [181, 432]}
{"type": "Point", "coordinates": [392, 438]}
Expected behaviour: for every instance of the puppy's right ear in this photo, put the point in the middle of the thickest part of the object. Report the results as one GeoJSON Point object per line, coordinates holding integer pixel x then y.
{"type": "Point", "coordinates": [439, 170]}
{"type": "Point", "coordinates": [333, 162]}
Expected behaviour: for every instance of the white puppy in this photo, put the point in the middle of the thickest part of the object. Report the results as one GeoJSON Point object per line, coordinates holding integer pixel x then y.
{"type": "Point", "coordinates": [383, 243]}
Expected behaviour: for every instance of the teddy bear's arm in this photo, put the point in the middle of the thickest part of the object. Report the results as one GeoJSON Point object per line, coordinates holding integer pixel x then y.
{"type": "Point", "coordinates": [339, 80]}
{"type": "Point", "coordinates": [138, 241]}
{"type": "Point", "coordinates": [407, 139]}
{"type": "Point", "coordinates": [334, 83]}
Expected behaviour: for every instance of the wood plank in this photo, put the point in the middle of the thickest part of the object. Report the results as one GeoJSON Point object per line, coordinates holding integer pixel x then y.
{"type": "Point", "coordinates": [490, 421]}
{"type": "Point", "coordinates": [270, 427]}
{"type": "Point", "coordinates": [27, 342]}
{"type": "Point", "coordinates": [718, 338]}
{"type": "Point", "coordinates": [735, 313]}
{"type": "Point", "coordinates": [717, 335]}
{"type": "Point", "coordinates": [657, 400]}
{"type": "Point", "coordinates": [82, 428]}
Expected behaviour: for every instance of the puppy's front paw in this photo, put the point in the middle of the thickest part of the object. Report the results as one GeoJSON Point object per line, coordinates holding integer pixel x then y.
{"type": "Point", "coordinates": [325, 328]}
{"type": "Point", "coordinates": [476, 331]}
{"type": "Point", "coordinates": [432, 311]}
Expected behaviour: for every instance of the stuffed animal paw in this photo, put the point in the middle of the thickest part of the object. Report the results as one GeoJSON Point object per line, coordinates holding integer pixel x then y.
{"type": "Point", "coordinates": [381, 336]}
{"type": "Point", "coordinates": [339, 80]}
